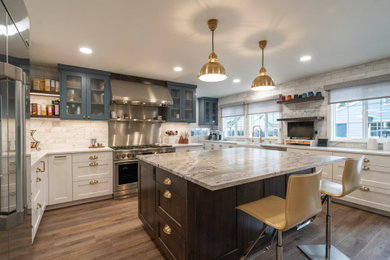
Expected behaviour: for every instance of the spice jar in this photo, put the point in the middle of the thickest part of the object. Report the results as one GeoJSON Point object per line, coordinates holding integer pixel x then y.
{"type": "Point", "coordinates": [52, 85]}
{"type": "Point", "coordinates": [50, 110]}
{"type": "Point", "coordinates": [43, 110]}
{"type": "Point", "coordinates": [57, 86]}
{"type": "Point", "coordinates": [47, 85]}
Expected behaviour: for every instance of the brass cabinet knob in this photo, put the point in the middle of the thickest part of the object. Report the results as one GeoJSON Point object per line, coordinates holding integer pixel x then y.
{"type": "Point", "coordinates": [93, 157]}
{"type": "Point", "coordinates": [89, 117]}
{"type": "Point", "coordinates": [366, 168]}
{"type": "Point", "coordinates": [38, 170]}
{"type": "Point", "coordinates": [220, 145]}
{"type": "Point", "coordinates": [83, 116]}
{"type": "Point", "coordinates": [93, 182]}
{"type": "Point", "coordinates": [167, 181]}
{"type": "Point", "coordinates": [364, 188]}
{"type": "Point", "coordinates": [39, 205]}
{"type": "Point", "coordinates": [167, 230]}
{"type": "Point", "coordinates": [366, 160]}
{"type": "Point", "coordinates": [38, 179]}
{"type": "Point", "coordinates": [167, 194]}
{"type": "Point", "coordinates": [188, 150]}
{"type": "Point", "coordinates": [93, 164]}
{"type": "Point", "coordinates": [230, 146]}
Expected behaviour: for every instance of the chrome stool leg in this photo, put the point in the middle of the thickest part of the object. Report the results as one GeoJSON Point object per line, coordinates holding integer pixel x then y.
{"type": "Point", "coordinates": [279, 246]}
{"type": "Point", "coordinates": [326, 251]}
{"type": "Point", "coordinates": [249, 249]}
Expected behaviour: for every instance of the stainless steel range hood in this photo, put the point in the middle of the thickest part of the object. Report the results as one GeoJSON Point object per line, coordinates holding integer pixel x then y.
{"type": "Point", "coordinates": [126, 92]}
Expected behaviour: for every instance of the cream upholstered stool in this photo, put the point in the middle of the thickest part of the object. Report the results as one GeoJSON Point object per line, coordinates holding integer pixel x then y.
{"type": "Point", "coordinates": [303, 201]}
{"type": "Point", "coordinates": [350, 182]}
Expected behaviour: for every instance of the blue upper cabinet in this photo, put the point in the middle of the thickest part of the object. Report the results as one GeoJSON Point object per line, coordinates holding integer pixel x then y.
{"type": "Point", "coordinates": [208, 111]}
{"type": "Point", "coordinates": [184, 103]}
{"type": "Point", "coordinates": [85, 93]}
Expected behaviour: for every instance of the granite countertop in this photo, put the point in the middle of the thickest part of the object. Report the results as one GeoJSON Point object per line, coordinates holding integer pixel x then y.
{"type": "Point", "coordinates": [219, 169]}
{"type": "Point", "coordinates": [36, 156]}
{"type": "Point", "coordinates": [329, 149]}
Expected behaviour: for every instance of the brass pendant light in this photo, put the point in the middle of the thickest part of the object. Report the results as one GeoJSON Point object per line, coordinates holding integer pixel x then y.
{"type": "Point", "coordinates": [263, 81]}
{"type": "Point", "coordinates": [212, 71]}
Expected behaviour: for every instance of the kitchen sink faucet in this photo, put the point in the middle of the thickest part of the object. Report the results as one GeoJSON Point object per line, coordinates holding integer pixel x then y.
{"type": "Point", "coordinates": [253, 133]}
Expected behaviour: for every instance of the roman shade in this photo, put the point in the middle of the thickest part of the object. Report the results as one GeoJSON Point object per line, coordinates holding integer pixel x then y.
{"type": "Point", "coordinates": [359, 92]}
{"type": "Point", "coordinates": [237, 110]}
{"type": "Point", "coordinates": [264, 107]}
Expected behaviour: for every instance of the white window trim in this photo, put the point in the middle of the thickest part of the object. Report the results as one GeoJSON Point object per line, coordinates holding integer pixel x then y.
{"type": "Point", "coordinates": [364, 126]}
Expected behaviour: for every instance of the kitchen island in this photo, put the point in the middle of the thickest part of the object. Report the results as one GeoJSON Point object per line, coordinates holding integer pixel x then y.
{"type": "Point", "coordinates": [187, 200]}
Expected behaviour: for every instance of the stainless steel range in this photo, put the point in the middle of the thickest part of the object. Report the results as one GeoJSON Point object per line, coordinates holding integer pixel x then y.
{"type": "Point", "coordinates": [126, 166]}
{"type": "Point", "coordinates": [137, 112]}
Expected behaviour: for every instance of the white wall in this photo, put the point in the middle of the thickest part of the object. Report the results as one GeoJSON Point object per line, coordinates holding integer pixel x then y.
{"type": "Point", "coordinates": [312, 83]}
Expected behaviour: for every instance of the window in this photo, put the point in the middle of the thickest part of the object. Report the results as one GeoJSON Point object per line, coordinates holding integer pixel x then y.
{"type": "Point", "coordinates": [268, 123]}
{"type": "Point", "coordinates": [233, 126]}
{"type": "Point", "coordinates": [361, 119]}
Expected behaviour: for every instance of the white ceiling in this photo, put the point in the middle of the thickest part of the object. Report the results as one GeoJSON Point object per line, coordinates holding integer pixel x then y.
{"type": "Point", "coordinates": [148, 38]}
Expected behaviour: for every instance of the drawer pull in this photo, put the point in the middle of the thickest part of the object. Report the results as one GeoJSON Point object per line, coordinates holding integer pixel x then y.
{"type": "Point", "coordinates": [167, 194]}
{"type": "Point", "coordinates": [93, 164]}
{"type": "Point", "coordinates": [366, 168]}
{"type": "Point", "coordinates": [38, 170]}
{"type": "Point", "coordinates": [94, 182]}
{"type": "Point", "coordinates": [230, 146]}
{"type": "Point", "coordinates": [364, 188]}
{"type": "Point", "coordinates": [39, 205]}
{"type": "Point", "coordinates": [188, 150]}
{"type": "Point", "coordinates": [38, 179]}
{"type": "Point", "coordinates": [93, 157]}
{"type": "Point", "coordinates": [59, 156]}
{"type": "Point", "coordinates": [167, 230]}
{"type": "Point", "coordinates": [167, 181]}
{"type": "Point", "coordinates": [366, 160]}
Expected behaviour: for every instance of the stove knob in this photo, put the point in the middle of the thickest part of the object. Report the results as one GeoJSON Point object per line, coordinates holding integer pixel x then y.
{"type": "Point", "coordinates": [118, 156]}
{"type": "Point", "coordinates": [123, 156]}
{"type": "Point", "coordinates": [129, 155]}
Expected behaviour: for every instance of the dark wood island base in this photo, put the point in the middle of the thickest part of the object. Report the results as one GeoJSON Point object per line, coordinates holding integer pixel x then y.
{"type": "Point", "coordinates": [187, 221]}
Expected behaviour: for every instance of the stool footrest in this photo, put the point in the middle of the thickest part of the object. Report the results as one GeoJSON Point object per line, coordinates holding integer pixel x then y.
{"type": "Point", "coordinates": [317, 252]}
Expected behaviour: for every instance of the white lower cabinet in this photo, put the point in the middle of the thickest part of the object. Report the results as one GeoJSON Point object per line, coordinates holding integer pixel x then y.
{"type": "Point", "coordinates": [217, 145]}
{"type": "Point", "coordinates": [188, 148]}
{"type": "Point", "coordinates": [92, 188]}
{"type": "Point", "coordinates": [60, 178]}
{"type": "Point", "coordinates": [39, 193]}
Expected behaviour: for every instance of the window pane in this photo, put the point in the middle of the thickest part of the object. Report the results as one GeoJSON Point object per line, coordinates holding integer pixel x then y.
{"type": "Point", "coordinates": [272, 124]}
{"type": "Point", "coordinates": [348, 120]}
{"type": "Point", "coordinates": [256, 121]}
{"type": "Point", "coordinates": [233, 126]}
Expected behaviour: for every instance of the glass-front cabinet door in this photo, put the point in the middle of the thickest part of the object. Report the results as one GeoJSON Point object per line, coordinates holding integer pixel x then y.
{"type": "Point", "coordinates": [174, 110]}
{"type": "Point", "coordinates": [97, 97]}
{"type": "Point", "coordinates": [189, 105]}
{"type": "Point", "coordinates": [73, 93]}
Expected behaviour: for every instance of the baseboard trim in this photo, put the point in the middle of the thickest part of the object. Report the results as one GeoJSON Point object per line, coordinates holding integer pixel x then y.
{"type": "Point", "coordinates": [351, 204]}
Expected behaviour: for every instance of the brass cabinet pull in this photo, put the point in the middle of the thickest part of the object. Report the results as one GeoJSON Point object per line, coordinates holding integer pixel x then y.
{"type": "Point", "coordinates": [167, 194]}
{"type": "Point", "coordinates": [38, 179]}
{"type": "Point", "coordinates": [93, 157]}
{"type": "Point", "coordinates": [167, 230]}
{"type": "Point", "coordinates": [230, 146]}
{"type": "Point", "coordinates": [93, 164]}
{"type": "Point", "coordinates": [43, 166]}
{"type": "Point", "coordinates": [89, 117]}
{"type": "Point", "coordinates": [188, 150]}
{"type": "Point", "coordinates": [83, 116]}
{"type": "Point", "coordinates": [167, 181]}
{"type": "Point", "coordinates": [220, 145]}
{"type": "Point", "coordinates": [94, 182]}
{"type": "Point", "coordinates": [39, 205]}
{"type": "Point", "coordinates": [59, 156]}
{"type": "Point", "coordinates": [366, 160]}
{"type": "Point", "coordinates": [366, 168]}
{"type": "Point", "coordinates": [364, 188]}
{"type": "Point", "coordinates": [38, 170]}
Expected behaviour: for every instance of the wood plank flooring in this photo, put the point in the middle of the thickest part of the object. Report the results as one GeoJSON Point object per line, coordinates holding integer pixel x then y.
{"type": "Point", "coordinates": [110, 229]}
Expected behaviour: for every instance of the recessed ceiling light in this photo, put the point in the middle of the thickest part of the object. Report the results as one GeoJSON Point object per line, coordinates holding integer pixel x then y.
{"type": "Point", "coordinates": [85, 50]}
{"type": "Point", "coordinates": [305, 58]}
{"type": "Point", "coordinates": [177, 69]}
{"type": "Point", "coordinates": [236, 80]}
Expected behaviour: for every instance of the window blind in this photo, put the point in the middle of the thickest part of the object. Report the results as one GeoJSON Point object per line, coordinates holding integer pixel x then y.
{"type": "Point", "coordinates": [233, 111]}
{"type": "Point", "coordinates": [264, 107]}
{"type": "Point", "coordinates": [360, 92]}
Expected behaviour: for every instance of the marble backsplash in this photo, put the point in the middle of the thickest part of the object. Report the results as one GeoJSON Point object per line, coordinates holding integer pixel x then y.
{"type": "Point", "coordinates": [55, 133]}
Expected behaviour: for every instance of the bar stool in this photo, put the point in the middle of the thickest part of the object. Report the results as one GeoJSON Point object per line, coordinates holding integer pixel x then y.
{"type": "Point", "coordinates": [303, 201]}
{"type": "Point", "coordinates": [350, 182]}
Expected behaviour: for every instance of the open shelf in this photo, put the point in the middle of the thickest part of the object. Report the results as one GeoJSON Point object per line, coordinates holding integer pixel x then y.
{"type": "Point", "coordinates": [137, 120]}
{"type": "Point", "coordinates": [44, 93]}
{"type": "Point", "coordinates": [44, 116]}
{"type": "Point", "coordinates": [300, 100]}
{"type": "Point", "coordinates": [295, 119]}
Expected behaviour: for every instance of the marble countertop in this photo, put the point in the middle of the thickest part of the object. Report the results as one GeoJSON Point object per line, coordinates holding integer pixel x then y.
{"type": "Point", "coordinates": [36, 156]}
{"type": "Point", "coordinates": [219, 169]}
{"type": "Point", "coordinates": [330, 149]}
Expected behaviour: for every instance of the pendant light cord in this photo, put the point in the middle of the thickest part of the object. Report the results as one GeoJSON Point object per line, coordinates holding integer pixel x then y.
{"type": "Point", "coordinates": [212, 41]}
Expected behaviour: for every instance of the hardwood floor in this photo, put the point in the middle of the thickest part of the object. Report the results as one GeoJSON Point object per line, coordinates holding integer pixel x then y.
{"type": "Point", "coordinates": [110, 229]}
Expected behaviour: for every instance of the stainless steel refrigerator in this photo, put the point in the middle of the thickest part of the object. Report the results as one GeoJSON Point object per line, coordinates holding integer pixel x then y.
{"type": "Point", "coordinates": [15, 221]}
